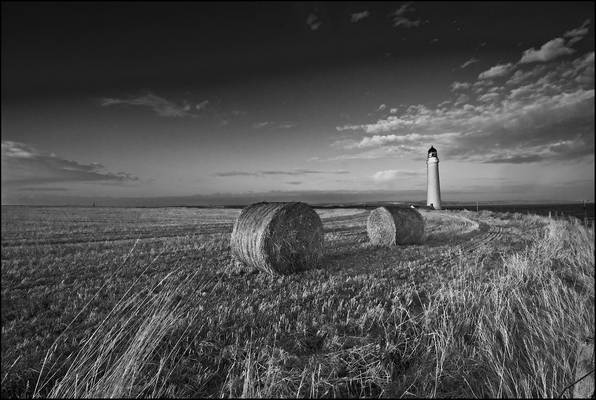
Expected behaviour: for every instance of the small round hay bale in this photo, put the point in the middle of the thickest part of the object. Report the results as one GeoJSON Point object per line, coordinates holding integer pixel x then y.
{"type": "Point", "coordinates": [388, 226]}
{"type": "Point", "coordinates": [278, 238]}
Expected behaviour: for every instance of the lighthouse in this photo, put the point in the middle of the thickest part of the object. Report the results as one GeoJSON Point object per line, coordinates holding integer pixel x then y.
{"type": "Point", "coordinates": [433, 193]}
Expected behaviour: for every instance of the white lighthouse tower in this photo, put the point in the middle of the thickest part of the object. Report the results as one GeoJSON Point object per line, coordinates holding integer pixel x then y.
{"type": "Point", "coordinates": [433, 193]}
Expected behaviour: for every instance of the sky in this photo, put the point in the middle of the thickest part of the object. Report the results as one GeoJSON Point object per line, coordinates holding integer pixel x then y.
{"type": "Point", "coordinates": [209, 103]}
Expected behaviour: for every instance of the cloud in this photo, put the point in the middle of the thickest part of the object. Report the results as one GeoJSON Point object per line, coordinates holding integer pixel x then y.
{"type": "Point", "coordinates": [405, 142]}
{"type": "Point", "coordinates": [23, 164]}
{"type": "Point", "coordinates": [235, 173]}
{"type": "Point", "coordinates": [400, 20]}
{"type": "Point", "coordinates": [459, 86]}
{"type": "Point", "coordinates": [461, 99]}
{"type": "Point", "coordinates": [497, 71]}
{"type": "Point", "coordinates": [469, 62]}
{"type": "Point", "coordinates": [43, 189]}
{"type": "Point", "coordinates": [202, 105]}
{"type": "Point", "coordinates": [488, 97]}
{"type": "Point", "coordinates": [358, 16]}
{"type": "Point", "coordinates": [549, 51]}
{"type": "Point", "coordinates": [294, 172]}
{"type": "Point", "coordinates": [516, 159]}
{"type": "Point", "coordinates": [375, 141]}
{"type": "Point", "coordinates": [273, 124]}
{"type": "Point", "coordinates": [313, 22]}
{"type": "Point", "coordinates": [388, 151]}
{"type": "Point", "coordinates": [262, 124]}
{"type": "Point", "coordinates": [577, 34]}
{"type": "Point", "coordinates": [394, 174]}
{"type": "Point", "coordinates": [520, 76]}
{"type": "Point", "coordinates": [383, 125]}
{"type": "Point", "coordinates": [160, 105]}
{"type": "Point", "coordinates": [541, 114]}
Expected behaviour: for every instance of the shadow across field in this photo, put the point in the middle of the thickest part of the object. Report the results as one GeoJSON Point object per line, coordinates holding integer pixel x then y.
{"type": "Point", "coordinates": [347, 248]}
{"type": "Point", "coordinates": [366, 258]}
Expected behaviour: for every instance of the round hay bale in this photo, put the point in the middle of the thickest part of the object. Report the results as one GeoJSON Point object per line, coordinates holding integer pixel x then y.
{"type": "Point", "coordinates": [388, 226]}
{"type": "Point", "coordinates": [278, 238]}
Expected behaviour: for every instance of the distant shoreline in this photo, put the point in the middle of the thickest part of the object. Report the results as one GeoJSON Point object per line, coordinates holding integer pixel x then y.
{"type": "Point", "coordinates": [446, 205]}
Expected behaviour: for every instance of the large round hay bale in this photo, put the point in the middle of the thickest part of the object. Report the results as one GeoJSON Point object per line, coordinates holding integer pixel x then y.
{"type": "Point", "coordinates": [278, 238]}
{"type": "Point", "coordinates": [388, 226]}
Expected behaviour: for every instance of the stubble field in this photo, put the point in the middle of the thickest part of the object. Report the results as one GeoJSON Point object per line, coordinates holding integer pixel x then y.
{"type": "Point", "coordinates": [148, 302]}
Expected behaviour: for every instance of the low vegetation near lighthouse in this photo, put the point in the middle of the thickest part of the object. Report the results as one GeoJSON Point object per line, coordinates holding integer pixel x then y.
{"type": "Point", "coordinates": [148, 302]}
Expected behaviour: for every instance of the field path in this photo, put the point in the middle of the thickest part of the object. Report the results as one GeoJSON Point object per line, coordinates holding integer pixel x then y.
{"type": "Point", "coordinates": [449, 237]}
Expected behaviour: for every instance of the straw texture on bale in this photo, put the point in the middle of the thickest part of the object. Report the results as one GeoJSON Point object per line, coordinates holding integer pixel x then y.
{"type": "Point", "coordinates": [278, 238]}
{"type": "Point", "coordinates": [389, 226]}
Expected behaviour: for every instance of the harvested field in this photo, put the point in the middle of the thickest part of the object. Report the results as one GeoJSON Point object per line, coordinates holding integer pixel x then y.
{"type": "Point", "coordinates": [147, 302]}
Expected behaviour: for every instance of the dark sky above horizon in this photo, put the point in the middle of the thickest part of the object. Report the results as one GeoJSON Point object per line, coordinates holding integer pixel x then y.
{"type": "Point", "coordinates": [178, 99]}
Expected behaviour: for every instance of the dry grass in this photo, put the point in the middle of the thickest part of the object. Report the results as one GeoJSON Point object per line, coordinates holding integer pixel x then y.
{"type": "Point", "coordinates": [515, 334]}
{"type": "Point", "coordinates": [407, 321]}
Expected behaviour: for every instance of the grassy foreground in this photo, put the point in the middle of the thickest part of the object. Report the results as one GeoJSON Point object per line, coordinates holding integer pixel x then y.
{"type": "Point", "coordinates": [503, 320]}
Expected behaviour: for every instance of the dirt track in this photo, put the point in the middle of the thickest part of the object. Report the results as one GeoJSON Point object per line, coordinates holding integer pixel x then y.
{"type": "Point", "coordinates": [449, 236]}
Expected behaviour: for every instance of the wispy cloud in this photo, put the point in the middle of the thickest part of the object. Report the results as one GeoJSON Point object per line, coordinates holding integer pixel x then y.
{"type": "Point", "coordinates": [541, 113]}
{"type": "Point", "coordinates": [202, 105]}
{"type": "Point", "coordinates": [43, 189]}
{"type": "Point", "coordinates": [488, 97]}
{"type": "Point", "coordinates": [160, 105]}
{"type": "Point", "coordinates": [261, 124]}
{"type": "Point", "coordinates": [387, 151]}
{"type": "Point", "coordinates": [469, 62]}
{"type": "Point", "coordinates": [557, 47]}
{"type": "Point", "coordinates": [577, 34]}
{"type": "Point", "coordinates": [461, 99]}
{"type": "Point", "coordinates": [274, 125]}
{"type": "Point", "coordinates": [549, 51]}
{"type": "Point", "coordinates": [313, 22]}
{"type": "Point", "coordinates": [455, 86]}
{"type": "Point", "coordinates": [405, 141]}
{"type": "Point", "coordinates": [359, 16]}
{"type": "Point", "coordinates": [514, 159]}
{"type": "Point", "coordinates": [399, 18]}
{"type": "Point", "coordinates": [294, 172]}
{"type": "Point", "coordinates": [235, 173]}
{"type": "Point", "coordinates": [390, 175]}
{"type": "Point", "coordinates": [497, 71]}
{"type": "Point", "coordinates": [23, 164]}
